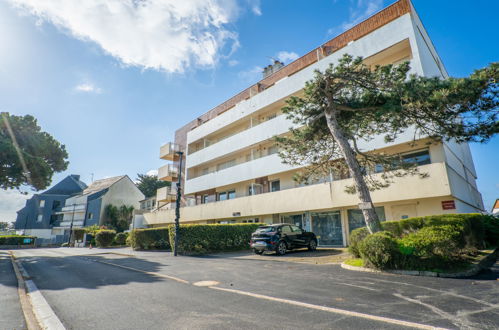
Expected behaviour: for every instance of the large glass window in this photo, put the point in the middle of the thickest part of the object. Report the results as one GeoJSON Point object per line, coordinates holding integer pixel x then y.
{"type": "Point", "coordinates": [327, 228]}
{"type": "Point", "coordinates": [286, 229]}
{"type": "Point", "coordinates": [356, 218]}
{"type": "Point", "coordinates": [231, 194]}
{"type": "Point", "coordinates": [419, 158]}
{"type": "Point", "coordinates": [222, 196]}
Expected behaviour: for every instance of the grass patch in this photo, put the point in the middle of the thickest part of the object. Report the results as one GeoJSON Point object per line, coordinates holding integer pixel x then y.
{"type": "Point", "coordinates": [356, 262]}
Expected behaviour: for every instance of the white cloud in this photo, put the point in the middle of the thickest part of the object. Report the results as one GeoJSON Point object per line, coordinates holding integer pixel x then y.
{"type": "Point", "coordinates": [10, 202]}
{"type": "Point", "coordinates": [152, 172]}
{"type": "Point", "coordinates": [166, 35]}
{"type": "Point", "coordinates": [233, 62]}
{"type": "Point", "coordinates": [88, 88]}
{"type": "Point", "coordinates": [359, 11]}
{"type": "Point", "coordinates": [255, 7]}
{"type": "Point", "coordinates": [285, 56]}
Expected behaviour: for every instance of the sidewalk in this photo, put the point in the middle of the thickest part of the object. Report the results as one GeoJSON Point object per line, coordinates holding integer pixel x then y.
{"type": "Point", "coordinates": [10, 312]}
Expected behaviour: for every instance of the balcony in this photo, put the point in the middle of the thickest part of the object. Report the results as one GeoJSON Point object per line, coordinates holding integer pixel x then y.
{"type": "Point", "coordinates": [168, 173]}
{"type": "Point", "coordinates": [169, 151]}
{"type": "Point", "coordinates": [166, 194]}
{"type": "Point", "coordinates": [72, 208]}
{"type": "Point", "coordinates": [321, 196]}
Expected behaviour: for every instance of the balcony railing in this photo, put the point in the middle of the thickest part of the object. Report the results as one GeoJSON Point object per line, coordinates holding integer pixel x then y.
{"type": "Point", "coordinates": [169, 151]}
{"type": "Point", "coordinates": [70, 208]}
{"type": "Point", "coordinates": [168, 173]}
{"type": "Point", "coordinates": [166, 194]}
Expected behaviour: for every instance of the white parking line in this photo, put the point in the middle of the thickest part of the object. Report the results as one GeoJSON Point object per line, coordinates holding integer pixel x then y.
{"type": "Point", "coordinates": [329, 309]}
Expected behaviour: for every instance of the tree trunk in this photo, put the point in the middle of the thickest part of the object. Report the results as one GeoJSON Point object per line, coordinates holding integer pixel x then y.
{"type": "Point", "coordinates": [370, 216]}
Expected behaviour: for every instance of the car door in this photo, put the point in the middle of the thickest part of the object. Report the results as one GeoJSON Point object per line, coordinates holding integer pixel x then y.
{"type": "Point", "coordinates": [299, 237]}
{"type": "Point", "coordinates": [288, 235]}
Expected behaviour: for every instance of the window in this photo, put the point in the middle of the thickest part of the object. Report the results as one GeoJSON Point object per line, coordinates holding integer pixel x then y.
{"type": "Point", "coordinates": [222, 196]}
{"type": "Point", "coordinates": [39, 218]}
{"type": "Point", "coordinates": [56, 205]}
{"type": "Point", "coordinates": [275, 185]}
{"type": "Point", "coordinates": [419, 158]}
{"type": "Point", "coordinates": [231, 194]}
{"type": "Point", "coordinates": [204, 199]}
{"type": "Point", "coordinates": [286, 229]}
{"type": "Point", "coordinates": [272, 150]}
{"type": "Point", "coordinates": [42, 203]}
{"type": "Point", "coordinates": [356, 218]}
{"type": "Point", "coordinates": [296, 229]}
{"type": "Point", "coordinates": [272, 116]}
{"type": "Point", "coordinates": [227, 164]}
{"type": "Point", "coordinates": [90, 215]}
{"type": "Point", "coordinates": [205, 171]}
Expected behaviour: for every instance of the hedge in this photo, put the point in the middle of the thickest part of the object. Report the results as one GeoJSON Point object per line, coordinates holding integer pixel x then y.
{"type": "Point", "coordinates": [78, 234]}
{"type": "Point", "coordinates": [149, 239]}
{"type": "Point", "coordinates": [105, 237]}
{"type": "Point", "coordinates": [199, 239]}
{"type": "Point", "coordinates": [424, 242]}
{"type": "Point", "coordinates": [120, 239]}
{"type": "Point", "coordinates": [16, 240]}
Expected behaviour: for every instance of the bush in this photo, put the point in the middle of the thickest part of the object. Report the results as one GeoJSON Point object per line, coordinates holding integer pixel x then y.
{"type": "Point", "coordinates": [149, 239]}
{"type": "Point", "coordinates": [120, 239]}
{"type": "Point", "coordinates": [356, 236]}
{"type": "Point", "coordinates": [429, 242]}
{"type": "Point", "coordinates": [198, 239]}
{"type": "Point", "coordinates": [491, 229]}
{"type": "Point", "coordinates": [105, 237]}
{"type": "Point", "coordinates": [16, 240]}
{"type": "Point", "coordinates": [379, 250]}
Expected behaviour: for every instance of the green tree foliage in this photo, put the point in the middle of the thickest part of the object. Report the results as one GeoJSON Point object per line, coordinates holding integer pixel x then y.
{"type": "Point", "coordinates": [148, 184]}
{"type": "Point", "coordinates": [28, 156]}
{"type": "Point", "coordinates": [350, 103]}
{"type": "Point", "coordinates": [118, 218]}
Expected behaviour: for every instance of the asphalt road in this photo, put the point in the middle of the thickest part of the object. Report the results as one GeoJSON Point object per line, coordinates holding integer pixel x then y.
{"type": "Point", "coordinates": [92, 291]}
{"type": "Point", "coordinates": [11, 316]}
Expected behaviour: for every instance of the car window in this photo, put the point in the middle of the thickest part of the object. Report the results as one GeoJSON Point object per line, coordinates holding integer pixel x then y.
{"type": "Point", "coordinates": [286, 229]}
{"type": "Point", "coordinates": [265, 229]}
{"type": "Point", "coordinates": [296, 229]}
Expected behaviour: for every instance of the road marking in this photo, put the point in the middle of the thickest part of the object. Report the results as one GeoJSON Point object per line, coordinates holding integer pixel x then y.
{"type": "Point", "coordinates": [206, 283]}
{"type": "Point", "coordinates": [143, 271]}
{"type": "Point", "coordinates": [329, 309]}
{"type": "Point", "coordinates": [39, 306]}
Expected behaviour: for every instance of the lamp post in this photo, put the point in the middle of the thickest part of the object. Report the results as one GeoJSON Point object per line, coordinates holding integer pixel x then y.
{"type": "Point", "coordinates": [71, 226]}
{"type": "Point", "coordinates": [177, 204]}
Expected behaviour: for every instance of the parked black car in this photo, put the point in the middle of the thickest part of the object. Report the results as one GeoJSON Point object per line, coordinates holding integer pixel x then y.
{"type": "Point", "coordinates": [280, 238]}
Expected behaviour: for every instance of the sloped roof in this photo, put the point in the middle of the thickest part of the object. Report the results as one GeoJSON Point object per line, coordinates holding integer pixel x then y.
{"type": "Point", "coordinates": [102, 184]}
{"type": "Point", "coordinates": [68, 186]}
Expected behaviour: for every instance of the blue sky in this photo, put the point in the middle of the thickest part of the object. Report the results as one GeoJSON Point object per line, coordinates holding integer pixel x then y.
{"type": "Point", "coordinates": [114, 85]}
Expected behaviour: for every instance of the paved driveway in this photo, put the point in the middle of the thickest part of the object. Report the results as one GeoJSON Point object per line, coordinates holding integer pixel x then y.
{"type": "Point", "coordinates": [156, 290]}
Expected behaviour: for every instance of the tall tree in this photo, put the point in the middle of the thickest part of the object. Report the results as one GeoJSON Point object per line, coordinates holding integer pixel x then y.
{"type": "Point", "coordinates": [350, 103]}
{"type": "Point", "coordinates": [148, 184]}
{"type": "Point", "coordinates": [28, 155]}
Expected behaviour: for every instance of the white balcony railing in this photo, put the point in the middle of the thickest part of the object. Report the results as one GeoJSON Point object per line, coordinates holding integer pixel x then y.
{"type": "Point", "coordinates": [168, 172]}
{"type": "Point", "coordinates": [169, 151]}
{"type": "Point", "coordinates": [166, 194]}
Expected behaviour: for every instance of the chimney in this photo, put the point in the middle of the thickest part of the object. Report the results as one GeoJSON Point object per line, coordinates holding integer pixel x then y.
{"type": "Point", "coordinates": [271, 68]}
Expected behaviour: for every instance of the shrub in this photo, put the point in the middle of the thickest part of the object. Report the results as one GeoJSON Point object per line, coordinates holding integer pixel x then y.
{"type": "Point", "coordinates": [120, 239]}
{"type": "Point", "coordinates": [149, 239]}
{"type": "Point", "coordinates": [104, 237]}
{"type": "Point", "coordinates": [16, 240]}
{"type": "Point", "coordinates": [198, 239]}
{"type": "Point", "coordinates": [379, 250]}
{"type": "Point", "coordinates": [491, 229]}
{"type": "Point", "coordinates": [356, 236]}
{"type": "Point", "coordinates": [430, 242]}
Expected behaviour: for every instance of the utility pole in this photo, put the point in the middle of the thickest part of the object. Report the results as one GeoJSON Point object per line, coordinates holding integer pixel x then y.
{"type": "Point", "coordinates": [177, 204]}
{"type": "Point", "coordinates": [71, 227]}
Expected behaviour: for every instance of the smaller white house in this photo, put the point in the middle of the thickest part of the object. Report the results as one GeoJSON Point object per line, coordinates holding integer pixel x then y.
{"type": "Point", "coordinates": [87, 209]}
{"type": "Point", "coordinates": [495, 208]}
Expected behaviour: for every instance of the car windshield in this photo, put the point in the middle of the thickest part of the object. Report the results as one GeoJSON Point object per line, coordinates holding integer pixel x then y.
{"type": "Point", "coordinates": [267, 229]}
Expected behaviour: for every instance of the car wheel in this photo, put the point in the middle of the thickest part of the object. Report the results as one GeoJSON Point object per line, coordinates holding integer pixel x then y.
{"type": "Point", "coordinates": [260, 252]}
{"type": "Point", "coordinates": [281, 248]}
{"type": "Point", "coordinates": [312, 246]}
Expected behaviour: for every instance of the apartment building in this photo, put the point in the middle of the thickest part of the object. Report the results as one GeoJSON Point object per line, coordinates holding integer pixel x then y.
{"type": "Point", "coordinates": [232, 173]}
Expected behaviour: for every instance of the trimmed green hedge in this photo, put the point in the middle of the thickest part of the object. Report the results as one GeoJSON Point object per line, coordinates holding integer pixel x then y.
{"type": "Point", "coordinates": [105, 237]}
{"type": "Point", "coordinates": [149, 239]}
{"type": "Point", "coordinates": [16, 240]}
{"type": "Point", "coordinates": [424, 242]}
{"type": "Point", "coordinates": [199, 239]}
{"type": "Point", "coordinates": [120, 239]}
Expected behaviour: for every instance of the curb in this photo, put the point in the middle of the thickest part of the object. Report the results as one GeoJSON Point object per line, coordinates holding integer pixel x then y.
{"type": "Point", "coordinates": [485, 263]}
{"type": "Point", "coordinates": [36, 305]}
